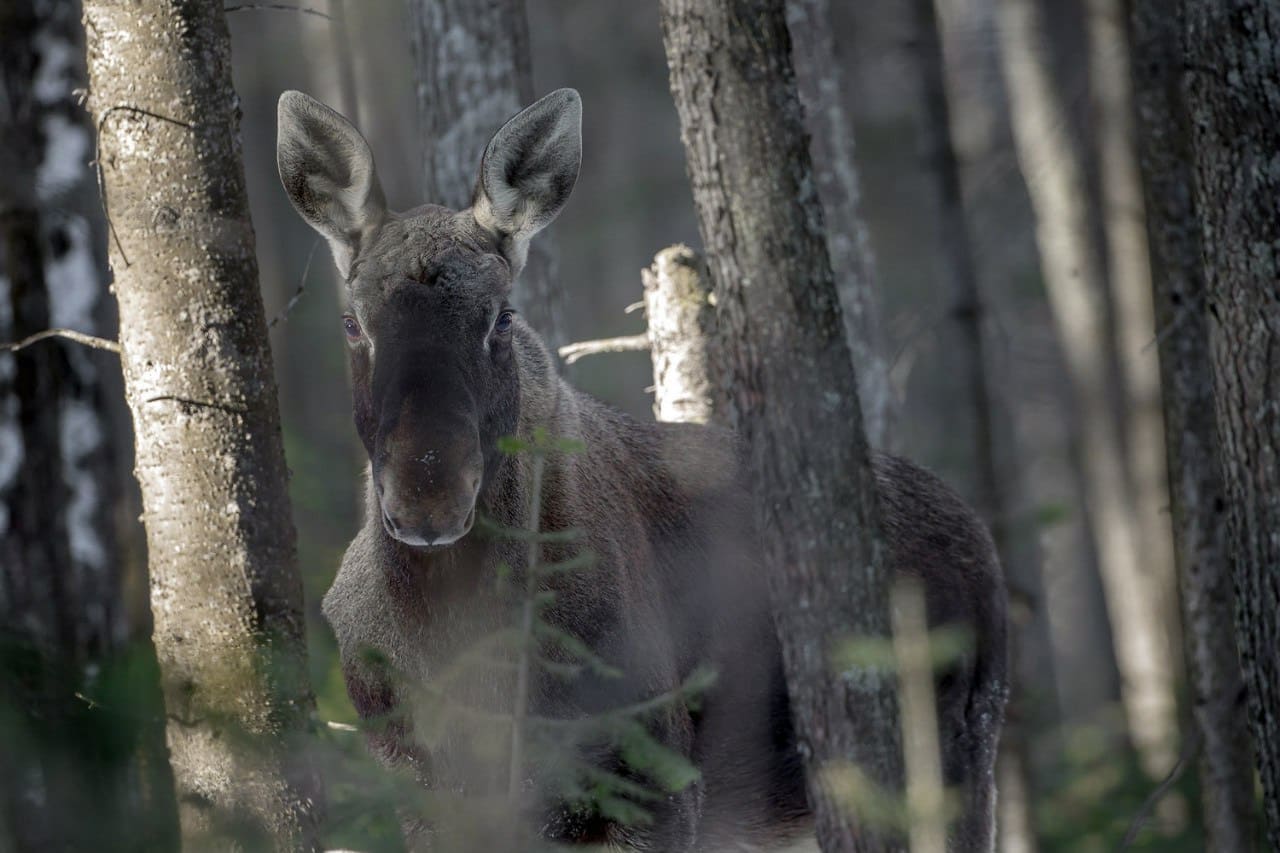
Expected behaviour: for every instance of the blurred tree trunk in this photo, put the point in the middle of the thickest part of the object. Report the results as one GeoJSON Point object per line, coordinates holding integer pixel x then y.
{"type": "Point", "coordinates": [62, 626]}
{"type": "Point", "coordinates": [1071, 264]}
{"type": "Point", "coordinates": [1235, 119]}
{"type": "Point", "coordinates": [1033, 697]}
{"type": "Point", "coordinates": [225, 591]}
{"type": "Point", "coordinates": [1195, 476]}
{"type": "Point", "coordinates": [820, 81]}
{"type": "Point", "coordinates": [471, 61]}
{"type": "Point", "coordinates": [1129, 273]}
{"type": "Point", "coordinates": [791, 384]}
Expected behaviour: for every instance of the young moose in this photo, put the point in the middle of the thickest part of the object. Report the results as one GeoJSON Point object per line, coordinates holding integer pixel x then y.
{"type": "Point", "coordinates": [442, 368]}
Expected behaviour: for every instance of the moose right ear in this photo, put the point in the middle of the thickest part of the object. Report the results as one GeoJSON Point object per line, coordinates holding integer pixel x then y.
{"type": "Point", "coordinates": [327, 170]}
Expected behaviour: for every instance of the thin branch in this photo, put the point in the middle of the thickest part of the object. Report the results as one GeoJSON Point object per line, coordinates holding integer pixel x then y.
{"type": "Point", "coordinates": [297, 294]}
{"type": "Point", "coordinates": [97, 163]}
{"type": "Point", "coordinates": [276, 7]}
{"type": "Point", "coordinates": [69, 334]}
{"type": "Point", "coordinates": [627, 343]}
{"type": "Point", "coordinates": [1140, 819]}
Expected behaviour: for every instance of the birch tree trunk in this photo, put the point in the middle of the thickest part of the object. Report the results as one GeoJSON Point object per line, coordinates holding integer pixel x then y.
{"type": "Point", "coordinates": [1196, 486]}
{"type": "Point", "coordinates": [473, 71]}
{"type": "Point", "coordinates": [1230, 51]}
{"type": "Point", "coordinates": [680, 306]}
{"type": "Point", "coordinates": [820, 81]}
{"type": "Point", "coordinates": [225, 590]}
{"type": "Point", "coordinates": [1033, 692]}
{"type": "Point", "coordinates": [1071, 265]}
{"type": "Point", "coordinates": [791, 384]}
{"type": "Point", "coordinates": [61, 614]}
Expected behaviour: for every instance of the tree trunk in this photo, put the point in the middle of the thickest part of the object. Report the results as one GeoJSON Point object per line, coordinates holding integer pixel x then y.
{"type": "Point", "coordinates": [471, 61]}
{"type": "Point", "coordinates": [820, 81]}
{"type": "Point", "coordinates": [1129, 272]}
{"type": "Point", "coordinates": [790, 382]}
{"type": "Point", "coordinates": [1033, 695]}
{"type": "Point", "coordinates": [62, 622]}
{"type": "Point", "coordinates": [1071, 265]}
{"type": "Point", "coordinates": [1235, 118]}
{"type": "Point", "coordinates": [225, 591]}
{"type": "Point", "coordinates": [680, 307]}
{"type": "Point", "coordinates": [1196, 488]}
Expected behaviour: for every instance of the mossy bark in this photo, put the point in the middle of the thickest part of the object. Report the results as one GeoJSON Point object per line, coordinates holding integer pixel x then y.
{"type": "Point", "coordinates": [226, 595]}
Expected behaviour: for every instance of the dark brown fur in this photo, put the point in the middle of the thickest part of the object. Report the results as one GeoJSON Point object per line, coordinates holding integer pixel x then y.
{"type": "Point", "coordinates": [676, 584]}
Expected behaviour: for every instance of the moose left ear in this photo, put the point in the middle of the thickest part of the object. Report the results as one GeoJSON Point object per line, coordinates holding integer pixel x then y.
{"type": "Point", "coordinates": [528, 170]}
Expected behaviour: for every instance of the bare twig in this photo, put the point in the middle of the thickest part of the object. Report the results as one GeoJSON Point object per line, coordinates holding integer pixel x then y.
{"type": "Point", "coordinates": [627, 343]}
{"type": "Point", "coordinates": [1140, 819]}
{"type": "Point", "coordinates": [297, 294]}
{"type": "Point", "coordinates": [69, 334]}
{"type": "Point", "coordinates": [97, 162]}
{"type": "Point", "coordinates": [276, 7]}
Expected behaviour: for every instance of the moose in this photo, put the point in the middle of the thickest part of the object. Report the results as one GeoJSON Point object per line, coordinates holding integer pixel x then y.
{"type": "Point", "coordinates": [442, 369]}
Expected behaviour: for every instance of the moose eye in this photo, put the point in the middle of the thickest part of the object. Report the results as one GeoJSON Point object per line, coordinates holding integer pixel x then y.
{"type": "Point", "coordinates": [503, 323]}
{"type": "Point", "coordinates": [352, 327]}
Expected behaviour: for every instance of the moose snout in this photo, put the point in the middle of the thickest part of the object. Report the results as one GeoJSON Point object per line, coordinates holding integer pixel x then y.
{"type": "Point", "coordinates": [427, 500]}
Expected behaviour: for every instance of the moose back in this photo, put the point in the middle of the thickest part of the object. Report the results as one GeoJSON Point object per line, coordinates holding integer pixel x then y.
{"type": "Point", "coordinates": [442, 369]}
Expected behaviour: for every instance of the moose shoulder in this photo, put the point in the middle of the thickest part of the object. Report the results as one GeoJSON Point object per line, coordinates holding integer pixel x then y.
{"type": "Point", "coordinates": [442, 369]}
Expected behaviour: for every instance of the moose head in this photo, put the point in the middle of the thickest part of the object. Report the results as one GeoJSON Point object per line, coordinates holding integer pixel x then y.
{"type": "Point", "coordinates": [433, 339]}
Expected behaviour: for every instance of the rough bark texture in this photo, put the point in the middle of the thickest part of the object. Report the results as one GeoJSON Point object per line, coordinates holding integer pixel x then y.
{"type": "Point", "coordinates": [61, 615]}
{"type": "Point", "coordinates": [1129, 275]}
{"type": "Point", "coordinates": [820, 80]}
{"type": "Point", "coordinates": [1072, 269]}
{"type": "Point", "coordinates": [790, 382]}
{"type": "Point", "coordinates": [471, 60]}
{"type": "Point", "coordinates": [225, 591]}
{"type": "Point", "coordinates": [1195, 478]}
{"type": "Point", "coordinates": [680, 308]}
{"type": "Point", "coordinates": [1234, 104]}
{"type": "Point", "coordinates": [1032, 699]}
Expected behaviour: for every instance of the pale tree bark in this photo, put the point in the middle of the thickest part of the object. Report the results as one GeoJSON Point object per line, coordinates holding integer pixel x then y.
{"type": "Point", "coordinates": [225, 590]}
{"type": "Point", "coordinates": [1129, 274]}
{"type": "Point", "coordinates": [820, 81]}
{"type": "Point", "coordinates": [680, 307]}
{"type": "Point", "coordinates": [1033, 695]}
{"type": "Point", "coordinates": [1234, 107]}
{"type": "Point", "coordinates": [61, 615]}
{"type": "Point", "coordinates": [791, 385]}
{"type": "Point", "coordinates": [1071, 265]}
{"type": "Point", "coordinates": [473, 72]}
{"type": "Point", "coordinates": [1196, 486]}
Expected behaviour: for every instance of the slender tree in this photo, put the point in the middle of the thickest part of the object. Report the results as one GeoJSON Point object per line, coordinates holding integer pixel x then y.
{"type": "Point", "coordinates": [225, 591]}
{"type": "Point", "coordinates": [1195, 476]}
{"type": "Point", "coordinates": [1033, 696]}
{"type": "Point", "coordinates": [1071, 264]}
{"type": "Point", "coordinates": [820, 81]}
{"type": "Point", "coordinates": [472, 65]}
{"type": "Point", "coordinates": [1129, 274]}
{"type": "Point", "coordinates": [786, 360]}
{"type": "Point", "coordinates": [1230, 49]}
{"type": "Point", "coordinates": [62, 622]}
{"type": "Point", "coordinates": [680, 306]}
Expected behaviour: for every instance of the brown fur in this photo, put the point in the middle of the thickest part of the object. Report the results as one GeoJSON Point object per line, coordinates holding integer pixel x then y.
{"type": "Point", "coordinates": [677, 582]}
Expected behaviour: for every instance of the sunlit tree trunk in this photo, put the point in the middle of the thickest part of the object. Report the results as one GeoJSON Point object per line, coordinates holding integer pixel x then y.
{"type": "Point", "coordinates": [62, 624]}
{"type": "Point", "coordinates": [820, 81]}
{"type": "Point", "coordinates": [680, 307]}
{"type": "Point", "coordinates": [1071, 265]}
{"type": "Point", "coordinates": [1234, 110]}
{"type": "Point", "coordinates": [472, 68]}
{"type": "Point", "coordinates": [1196, 485]}
{"type": "Point", "coordinates": [225, 591]}
{"type": "Point", "coordinates": [791, 382]}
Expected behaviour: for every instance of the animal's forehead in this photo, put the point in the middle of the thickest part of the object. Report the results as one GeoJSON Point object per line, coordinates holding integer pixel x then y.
{"type": "Point", "coordinates": [431, 247]}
